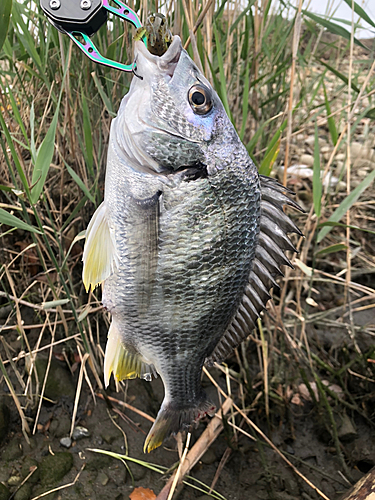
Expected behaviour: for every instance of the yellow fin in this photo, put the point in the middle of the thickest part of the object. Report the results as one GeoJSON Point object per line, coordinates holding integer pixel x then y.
{"type": "Point", "coordinates": [99, 255]}
{"type": "Point", "coordinates": [123, 364]}
{"type": "Point", "coordinates": [172, 419]}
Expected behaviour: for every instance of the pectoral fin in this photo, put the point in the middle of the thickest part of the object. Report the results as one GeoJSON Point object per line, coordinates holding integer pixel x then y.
{"type": "Point", "coordinates": [99, 256]}
{"type": "Point", "coordinates": [146, 238]}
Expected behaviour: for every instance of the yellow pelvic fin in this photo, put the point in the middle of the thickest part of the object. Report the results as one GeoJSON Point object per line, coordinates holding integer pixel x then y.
{"type": "Point", "coordinates": [99, 256]}
{"type": "Point", "coordinates": [123, 364]}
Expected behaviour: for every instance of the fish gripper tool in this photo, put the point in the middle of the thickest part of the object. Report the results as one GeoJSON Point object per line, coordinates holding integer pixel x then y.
{"type": "Point", "coordinates": [83, 18]}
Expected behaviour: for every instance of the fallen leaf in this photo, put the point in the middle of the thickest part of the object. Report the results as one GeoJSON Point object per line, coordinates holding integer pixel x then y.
{"type": "Point", "coordinates": [142, 494]}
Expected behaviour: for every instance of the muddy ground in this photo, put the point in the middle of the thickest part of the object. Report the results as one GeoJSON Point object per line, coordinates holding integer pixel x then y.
{"type": "Point", "coordinates": [252, 470]}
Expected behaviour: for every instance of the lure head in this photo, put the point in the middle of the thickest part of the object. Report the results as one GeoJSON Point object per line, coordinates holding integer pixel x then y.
{"type": "Point", "coordinates": [157, 32]}
{"type": "Point", "coordinates": [171, 113]}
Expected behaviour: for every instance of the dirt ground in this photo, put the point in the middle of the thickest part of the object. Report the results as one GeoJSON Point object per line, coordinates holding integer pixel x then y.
{"type": "Point", "coordinates": [252, 469]}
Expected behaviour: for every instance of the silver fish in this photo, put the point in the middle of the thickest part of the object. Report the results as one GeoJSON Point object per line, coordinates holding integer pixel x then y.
{"type": "Point", "coordinates": [188, 240]}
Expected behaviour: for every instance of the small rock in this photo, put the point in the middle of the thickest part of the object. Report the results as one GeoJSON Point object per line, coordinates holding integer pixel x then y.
{"type": "Point", "coordinates": [4, 421]}
{"type": "Point", "coordinates": [66, 442]}
{"type": "Point", "coordinates": [14, 480]}
{"type": "Point", "coordinates": [110, 435]}
{"type": "Point", "coordinates": [346, 431]}
{"type": "Point", "coordinates": [325, 149]}
{"type": "Point", "coordinates": [358, 150]}
{"type": "Point", "coordinates": [363, 163]}
{"type": "Point", "coordinates": [307, 160]}
{"type": "Point", "coordinates": [340, 157]}
{"type": "Point", "coordinates": [60, 426]}
{"type": "Point", "coordinates": [310, 140]}
{"type": "Point", "coordinates": [24, 493]}
{"type": "Point", "coordinates": [209, 457]}
{"type": "Point", "coordinates": [54, 467]}
{"type": "Point", "coordinates": [102, 478]}
{"type": "Point", "coordinates": [59, 381]}
{"type": "Point", "coordinates": [80, 433]}
{"type": "Point", "coordinates": [4, 492]}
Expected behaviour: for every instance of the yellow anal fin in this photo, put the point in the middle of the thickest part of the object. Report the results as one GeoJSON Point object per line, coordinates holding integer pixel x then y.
{"type": "Point", "coordinates": [123, 364]}
{"type": "Point", "coordinates": [99, 256]}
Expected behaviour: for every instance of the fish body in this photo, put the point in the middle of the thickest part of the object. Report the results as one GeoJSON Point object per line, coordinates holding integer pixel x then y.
{"type": "Point", "coordinates": [187, 240]}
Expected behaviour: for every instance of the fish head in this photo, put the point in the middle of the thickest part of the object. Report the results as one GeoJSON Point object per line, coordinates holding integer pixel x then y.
{"type": "Point", "coordinates": [171, 113]}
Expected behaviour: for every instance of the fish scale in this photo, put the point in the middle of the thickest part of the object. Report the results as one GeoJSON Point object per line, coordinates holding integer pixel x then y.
{"type": "Point", "coordinates": [191, 238]}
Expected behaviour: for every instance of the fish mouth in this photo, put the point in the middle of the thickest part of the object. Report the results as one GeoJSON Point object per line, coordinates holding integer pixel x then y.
{"type": "Point", "coordinates": [166, 63]}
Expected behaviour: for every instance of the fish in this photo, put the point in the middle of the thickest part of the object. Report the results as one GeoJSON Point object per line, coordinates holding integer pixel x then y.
{"type": "Point", "coordinates": [188, 240]}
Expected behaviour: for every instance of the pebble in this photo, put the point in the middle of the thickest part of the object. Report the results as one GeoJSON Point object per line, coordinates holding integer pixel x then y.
{"type": "Point", "coordinates": [310, 140]}
{"type": "Point", "coordinates": [66, 442]}
{"type": "Point", "coordinates": [14, 480]}
{"type": "Point", "coordinates": [361, 163]}
{"type": "Point", "coordinates": [102, 478]}
{"type": "Point", "coordinates": [59, 382]}
{"type": "Point", "coordinates": [80, 433]}
{"type": "Point", "coordinates": [60, 426]}
{"type": "Point", "coordinates": [340, 157]}
{"type": "Point", "coordinates": [346, 432]}
{"type": "Point", "coordinates": [357, 150]}
{"type": "Point", "coordinates": [307, 160]}
{"type": "Point", "coordinates": [209, 457]}
{"type": "Point", "coordinates": [325, 149]}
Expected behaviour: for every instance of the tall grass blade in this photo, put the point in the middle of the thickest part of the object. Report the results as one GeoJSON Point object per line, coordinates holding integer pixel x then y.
{"type": "Point", "coordinates": [270, 158]}
{"type": "Point", "coordinates": [346, 204]}
{"type": "Point", "coordinates": [44, 158]}
{"type": "Point", "coordinates": [5, 11]}
{"type": "Point", "coordinates": [339, 75]}
{"type": "Point", "coordinates": [106, 100]}
{"type": "Point", "coordinates": [331, 122]}
{"type": "Point", "coordinates": [223, 82]}
{"type": "Point", "coordinates": [14, 155]}
{"type": "Point", "coordinates": [88, 136]}
{"type": "Point", "coordinates": [10, 220]}
{"type": "Point", "coordinates": [317, 181]}
{"type": "Point", "coordinates": [339, 247]}
{"type": "Point", "coordinates": [334, 28]}
{"type": "Point", "coordinates": [362, 13]}
{"type": "Point", "coordinates": [340, 224]}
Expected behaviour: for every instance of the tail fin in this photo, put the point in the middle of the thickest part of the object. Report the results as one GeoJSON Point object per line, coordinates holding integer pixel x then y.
{"type": "Point", "coordinates": [171, 420]}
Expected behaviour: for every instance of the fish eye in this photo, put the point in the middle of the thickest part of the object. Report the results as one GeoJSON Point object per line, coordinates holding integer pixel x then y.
{"type": "Point", "coordinates": [200, 99]}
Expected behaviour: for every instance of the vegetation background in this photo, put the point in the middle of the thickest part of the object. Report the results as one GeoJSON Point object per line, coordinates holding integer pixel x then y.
{"type": "Point", "coordinates": [299, 87]}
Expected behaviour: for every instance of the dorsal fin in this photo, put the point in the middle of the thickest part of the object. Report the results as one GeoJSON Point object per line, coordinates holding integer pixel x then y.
{"type": "Point", "coordinates": [269, 257]}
